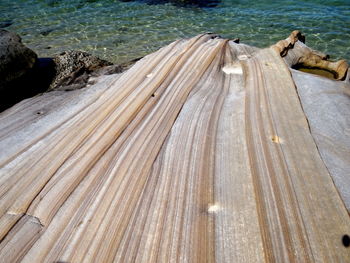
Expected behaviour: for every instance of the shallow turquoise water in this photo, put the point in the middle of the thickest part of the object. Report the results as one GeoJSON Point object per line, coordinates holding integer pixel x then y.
{"type": "Point", "coordinates": [119, 31]}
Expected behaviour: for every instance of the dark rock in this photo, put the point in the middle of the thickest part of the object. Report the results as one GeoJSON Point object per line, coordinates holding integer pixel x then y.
{"type": "Point", "coordinates": [46, 31]}
{"type": "Point", "coordinates": [197, 3]}
{"type": "Point", "coordinates": [52, 3]}
{"type": "Point", "coordinates": [16, 58]}
{"type": "Point", "coordinates": [43, 73]}
{"type": "Point", "coordinates": [35, 80]}
{"type": "Point", "coordinates": [118, 41]}
{"type": "Point", "coordinates": [6, 23]}
{"type": "Point", "coordinates": [71, 66]}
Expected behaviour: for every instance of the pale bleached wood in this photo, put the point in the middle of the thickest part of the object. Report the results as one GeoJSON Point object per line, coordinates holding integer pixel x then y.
{"type": "Point", "coordinates": [326, 104]}
{"type": "Point", "coordinates": [288, 167]}
{"type": "Point", "coordinates": [295, 52]}
{"type": "Point", "coordinates": [64, 141]}
{"type": "Point", "coordinates": [21, 237]}
{"type": "Point", "coordinates": [71, 173]}
{"type": "Point", "coordinates": [130, 153]}
{"type": "Point", "coordinates": [236, 219]}
{"type": "Point", "coordinates": [201, 152]}
{"type": "Point", "coordinates": [281, 226]}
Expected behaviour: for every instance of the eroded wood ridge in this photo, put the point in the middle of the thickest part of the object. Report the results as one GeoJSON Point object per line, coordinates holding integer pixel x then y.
{"type": "Point", "coordinates": [301, 171]}
{"type": "Point", "coordinates": [200, 152]}
{"type": "Point", "coordinates": [282, 228]}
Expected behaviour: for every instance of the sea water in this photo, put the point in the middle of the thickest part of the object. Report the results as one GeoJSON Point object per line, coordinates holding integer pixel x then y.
{"type": "Point", "coordinates": [119, 31]}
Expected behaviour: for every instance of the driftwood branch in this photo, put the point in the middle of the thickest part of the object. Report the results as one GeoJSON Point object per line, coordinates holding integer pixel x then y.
{"type": "Point", "coordinates": [296, 53]}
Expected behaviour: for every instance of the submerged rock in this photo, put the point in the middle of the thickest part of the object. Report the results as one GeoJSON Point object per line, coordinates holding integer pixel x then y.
{"type": "Point", "coordinates": [6, 23]}
{"type": "Point", "coordinates": [199, 3]}
{"type": "Point", "coordinates": [46, 31]}
{"type": "Point", "coordinates": [184, 3]}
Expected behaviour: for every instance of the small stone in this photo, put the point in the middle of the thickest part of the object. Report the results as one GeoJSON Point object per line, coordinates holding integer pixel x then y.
{"type": "Point", "coordinates": [46, 32]}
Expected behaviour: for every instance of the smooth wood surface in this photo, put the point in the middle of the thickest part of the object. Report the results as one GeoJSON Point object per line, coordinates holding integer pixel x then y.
{"type": "Point", "coordinates": [201, 152]}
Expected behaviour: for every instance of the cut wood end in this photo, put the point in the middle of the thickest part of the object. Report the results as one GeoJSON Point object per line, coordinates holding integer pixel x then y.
{"type": "Point", "coordinates": [283, 46]}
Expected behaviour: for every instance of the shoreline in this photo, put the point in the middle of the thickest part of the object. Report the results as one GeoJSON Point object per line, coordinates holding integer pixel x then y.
{"type": "Point", "coordinates": [25, 74]}
{"type": "Point", "coordinates": [127, 30]}
{"type": "Point", "coordinates": [71, 70]}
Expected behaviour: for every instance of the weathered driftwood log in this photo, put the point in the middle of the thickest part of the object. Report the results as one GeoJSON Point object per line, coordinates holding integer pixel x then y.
{"type": "Point", "coordinates": [203, 151]}
{"type": "Point", "coordinates": [301, 55]}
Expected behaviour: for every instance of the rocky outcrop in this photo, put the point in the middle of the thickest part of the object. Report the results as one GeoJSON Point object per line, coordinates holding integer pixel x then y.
{"type": "Point", "coordinates": [23, 75]}
{"type": "Point", "coordinates": [73, 69]}
{"type": "Point", "coordinates": [6, 23]}
{"type": "Point", "coordinates": [15, 58]}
